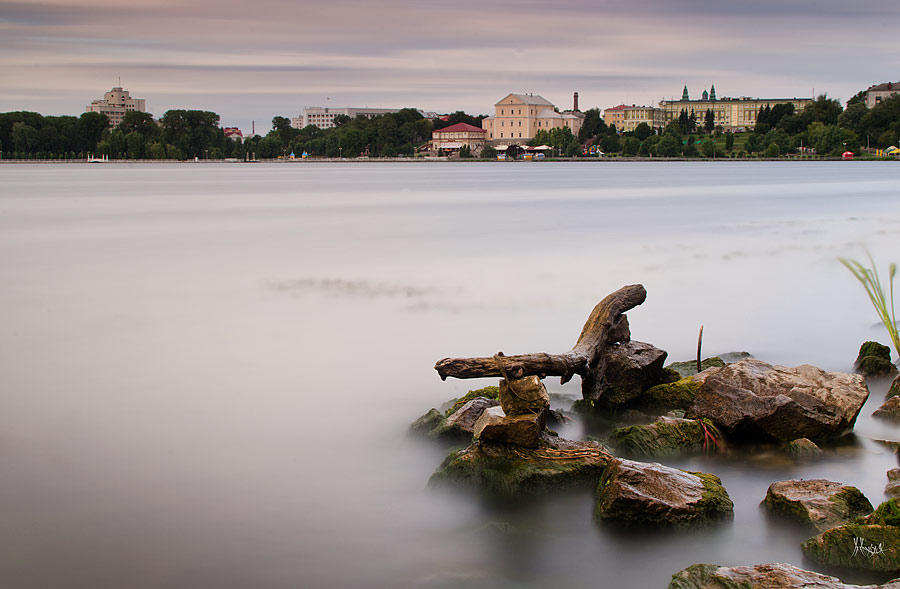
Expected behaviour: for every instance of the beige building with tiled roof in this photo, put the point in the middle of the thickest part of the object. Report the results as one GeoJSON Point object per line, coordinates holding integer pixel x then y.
{"type": "Point", "coordinates": [518, 117]}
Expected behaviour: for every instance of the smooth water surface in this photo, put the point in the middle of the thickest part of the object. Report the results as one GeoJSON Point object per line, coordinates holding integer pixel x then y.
{"type": "Point", "coordinates": [208, 369]}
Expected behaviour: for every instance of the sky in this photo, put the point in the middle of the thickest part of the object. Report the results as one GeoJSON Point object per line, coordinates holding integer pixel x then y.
{"type": "Point", "coordinates": [252, 60]}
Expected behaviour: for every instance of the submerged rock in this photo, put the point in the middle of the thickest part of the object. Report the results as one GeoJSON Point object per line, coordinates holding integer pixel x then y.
{"type": "Point", "coordinates": [519, 430]}
{"type": "Point", "coordinates": [427, 423]}
{"type": "Point", "coordinates": [689, 368]}
{"type": "Point", "coordinates": [665, 436]}
{"type": "Point", "coordinates": [650, 494]}
{"type": "Point", "coordinates": [631, 368]}
{"type": "Point", "coordinates": [678, 394]}
{"type": "Point", "coordinates": [802, 447]}
{"type": "Point", "coordinates": [874, 359]}
{"type": "Point", "coordinates": [502, 470]}
{"type": "Point", "coordinates": [757, 401]}
{"type": "Point", "coordinates": [823, 504]}
{"type": "Point", "coordinates": [761, 576]}
{"type": "Point", "coordinates": [890, 409]}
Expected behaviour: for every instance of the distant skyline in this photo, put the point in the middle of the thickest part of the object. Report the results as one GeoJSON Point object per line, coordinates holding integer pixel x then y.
{"type": "Point", "coordinates": [251, 61]}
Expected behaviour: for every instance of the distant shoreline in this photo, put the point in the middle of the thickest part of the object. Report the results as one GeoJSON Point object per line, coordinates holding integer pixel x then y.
{"type": "Point", "coordinates": [449, 161]}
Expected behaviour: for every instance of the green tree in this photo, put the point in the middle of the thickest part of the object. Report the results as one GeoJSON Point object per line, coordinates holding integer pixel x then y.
{"type": "Point", "coordinates": [592, 126]}
{"type": "Point", "coordinates": [668, 146]}
{"type": "Point", "coordinates": [139, 122]}
{"type": "Point", "coordinates": [729, 141]}
{"type": "Point", "coordinates": [642, 131]}
{"type": "Point", "coordinates": [25, 138]}
{"type": "Point", "coordinates": [630, 146]}
{"type": "Point", "coordinates": [488, 152]}
{"type": "Point", "coordinates": [710, 124]}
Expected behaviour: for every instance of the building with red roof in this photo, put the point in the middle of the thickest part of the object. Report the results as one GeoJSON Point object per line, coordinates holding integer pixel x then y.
{"type": "Point", "coordinates": [453, 138]}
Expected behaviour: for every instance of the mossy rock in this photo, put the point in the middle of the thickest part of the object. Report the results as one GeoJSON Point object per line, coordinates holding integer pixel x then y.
{"type": "Point", "coordinates": [673, 395]}
{"type": "Point", "coordinates": [874, 359]}
{"type": "Point", "coordinates": [894, 389]}
{"type": "Point", "coordinates": [802, 448]}
{"type": "Point", "coordinates": [427, 423]}
{"type": "Point", "coordinates": [689, 368]}
{"type": "Point", "coordinates": [761, 576]}
{"type": "Point", "coordinates": [817, 502]}
{"type": "Point", "coordinates": [887, 514]}
{"type": "Point", "coordinates": [665, 436]}
{"type": "Point", "coordinates": [857, 546]}
{"type": "Point", "coordinates": [502, 470]}
{"type": "Point", "coordinates": [489, 392]}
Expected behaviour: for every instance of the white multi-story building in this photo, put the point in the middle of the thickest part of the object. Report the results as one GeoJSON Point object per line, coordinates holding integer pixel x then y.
{"type": "Point", "coordinates": [875, 94]}
{"type": "Point", "coordinates": [323, 116]}
{"type": "Point", "coordinates": [115, 104]}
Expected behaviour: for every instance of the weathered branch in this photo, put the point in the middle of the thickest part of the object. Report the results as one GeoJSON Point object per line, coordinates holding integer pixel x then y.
{"type": "Point", "coordinates": [605, 323]}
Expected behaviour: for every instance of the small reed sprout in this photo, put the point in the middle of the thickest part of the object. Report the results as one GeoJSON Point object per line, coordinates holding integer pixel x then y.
{"type": "Point", "coordinates": [884, 306]}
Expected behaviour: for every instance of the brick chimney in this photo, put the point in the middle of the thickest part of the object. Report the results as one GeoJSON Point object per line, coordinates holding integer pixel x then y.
{"type": "Point", "coordinates": [576, 102]}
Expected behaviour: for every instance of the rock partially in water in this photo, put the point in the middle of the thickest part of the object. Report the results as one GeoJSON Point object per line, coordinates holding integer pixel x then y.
{"type": "Point", "coordinates": [894, 389]}
{"type": "Point", "coordinates": [892, 489]}
{"type": "Point", "coordinates": [519, 430]}
{"type": "Point", "coordinates": [490, 392]}
{"type": "Point", "coordinates": [651, 494]}
{"type": "Point", "coordinates": [463, 419]}
{"type": "Point", "coordinates": [631, 368]}
{"type": "Point", "coordinates": [503, 470]}
{"type": "Point", "coordinates": [870, 547]}
{"type": "Point", "coordinates": [427, 423]}
{"type": "Point", "coordinates": [756, 401]}
{"type": "Point", "coordinates": [665, 436]}
{"type": "Point", "coordinates": [802, 448]}
{"type": "Point", "coordinates": [761, 576]}
{"type": "Point", "coordinates": [820, 503]}
{"type": "Point", "coordinates": [890, 409]}
{"type": "Point", "coordinates": [524, 396]}
{"type": "Point", "coordinates": [874, 359]}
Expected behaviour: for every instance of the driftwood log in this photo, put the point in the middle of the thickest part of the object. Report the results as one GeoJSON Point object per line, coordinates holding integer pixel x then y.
{"type": "Point", "coordinates": [606, 324]}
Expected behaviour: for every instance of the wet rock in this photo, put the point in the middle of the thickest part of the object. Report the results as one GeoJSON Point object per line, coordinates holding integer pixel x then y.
{"type": "Point", "coordinates": [761, 576]}
{"type": "Point", "coordinates": [823, 504]}
{"type": "Point", "coordinates": [890, 409]}
{"type": "Point", "coordinates": [519, 430]}
{"type": "Point", "coordinates": [631, 368]}
{"type": "Point", "coordinates": [523, 396]}
{"type": "Point", "coordinates": [501, 470]}
{"type": "Point", "coordinates": [757, 401]}
{"type": "Point", "coordinates": [887, 514]}
{"type": "Point", "coordinates": [892, 489]}
{"type": "Point", "coordinates": [650, 494]}
{"type": "Point", "coordinates": [490, 392]}
{"type": "Point", "coordinates": [874, 359]}
{"type": "Point", "coordinates": [870, 547]}
{"type": "Point", "coordinates": [665, 436]}
{"type": "Point", "coordinates": [464, 418]}
{"type": "Point", "coordinates": [557, 418]}
{"type": "Point", "coordinates": [802, 447]}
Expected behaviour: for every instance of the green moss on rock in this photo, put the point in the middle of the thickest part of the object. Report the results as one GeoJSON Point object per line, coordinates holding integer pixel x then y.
{"type": "Point", "coordinates": [857, 546]}
{"type": "Point", "coordinates": [874, 359]}
{"type": "Point", "coordinates": [674, 395]}
{"type": "Point", "coordinates": [887, 514]}
{"type": "Point", "coordinates": [427, 423]}
{"type": "Point", "coordinates": [894, 389]}
{"type": "Point", "coordinates": [690, 368]}
{"type": "Point", "coordinates": [666, 436]}
{"type": "Point", "coordinates": [489, 392]}
{"type": "Point", "coordinates": [502, 470]}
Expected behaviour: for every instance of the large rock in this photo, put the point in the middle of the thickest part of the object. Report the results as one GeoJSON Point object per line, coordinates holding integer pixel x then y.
{"type": "Point", "coordinates": [524, 396]}
{"type": "Point", "coordinates": [667, 396]}
{"type": "Point", "coordinates": [501, 470]}
{"type": "Point", "coordinates": [519, 430]}
{"type": "Point", "coordinates": [823, 504]}
{"type": "Point", "coordinates": [870, 547]}
{"type": "Point", "coordinates": [757, 401]}
{"type": "Point", "coordinates": [665, 436]}
{"type": "Point", "coordinates": [458, 427]}
{"type": "Point", "coordinates": [631, 368]}
{"type": "Point", "coordinates": [650, 494]}
{"type": "Point", "coordinates": [761, 576]}
{"type": "Point", "coordinates": [890, 409]}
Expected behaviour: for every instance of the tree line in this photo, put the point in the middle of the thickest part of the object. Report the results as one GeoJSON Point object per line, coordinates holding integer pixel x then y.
{"type": "Point", "coordinates": [823, 127]}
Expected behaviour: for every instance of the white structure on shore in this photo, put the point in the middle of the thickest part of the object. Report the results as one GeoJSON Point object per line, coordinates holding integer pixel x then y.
{"type": "Point", "coordinates": [323, 116]}
{"type": "Point", "coordinates": [115, 104]}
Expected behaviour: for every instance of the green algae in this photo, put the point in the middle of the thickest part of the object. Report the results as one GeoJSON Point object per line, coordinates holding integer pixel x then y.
{"type": "Point", "coordinates": [857, 546]}
{"type": "Point", "coordinates": [489, 392]}
{"type": "Point", "coordinates": [673, 395]}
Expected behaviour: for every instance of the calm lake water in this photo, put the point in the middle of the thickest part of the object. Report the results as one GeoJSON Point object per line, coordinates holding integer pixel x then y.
{"type": "Point", "coordinates": [208, 369]}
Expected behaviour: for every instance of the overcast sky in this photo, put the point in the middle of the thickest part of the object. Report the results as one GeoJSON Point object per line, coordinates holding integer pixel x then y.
{"type": "Point", "coordinates": [255, 59]}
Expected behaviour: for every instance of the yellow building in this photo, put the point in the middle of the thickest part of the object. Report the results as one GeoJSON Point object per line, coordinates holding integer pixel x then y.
{"type": "Point", "coordinates": [732, 114]}
{"type": "Point", "coordinates": [518, 117]}
{"type": "Point", "coordinates": [455, 137]}
{"type": "Point", "coordinates": [627, 118]}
